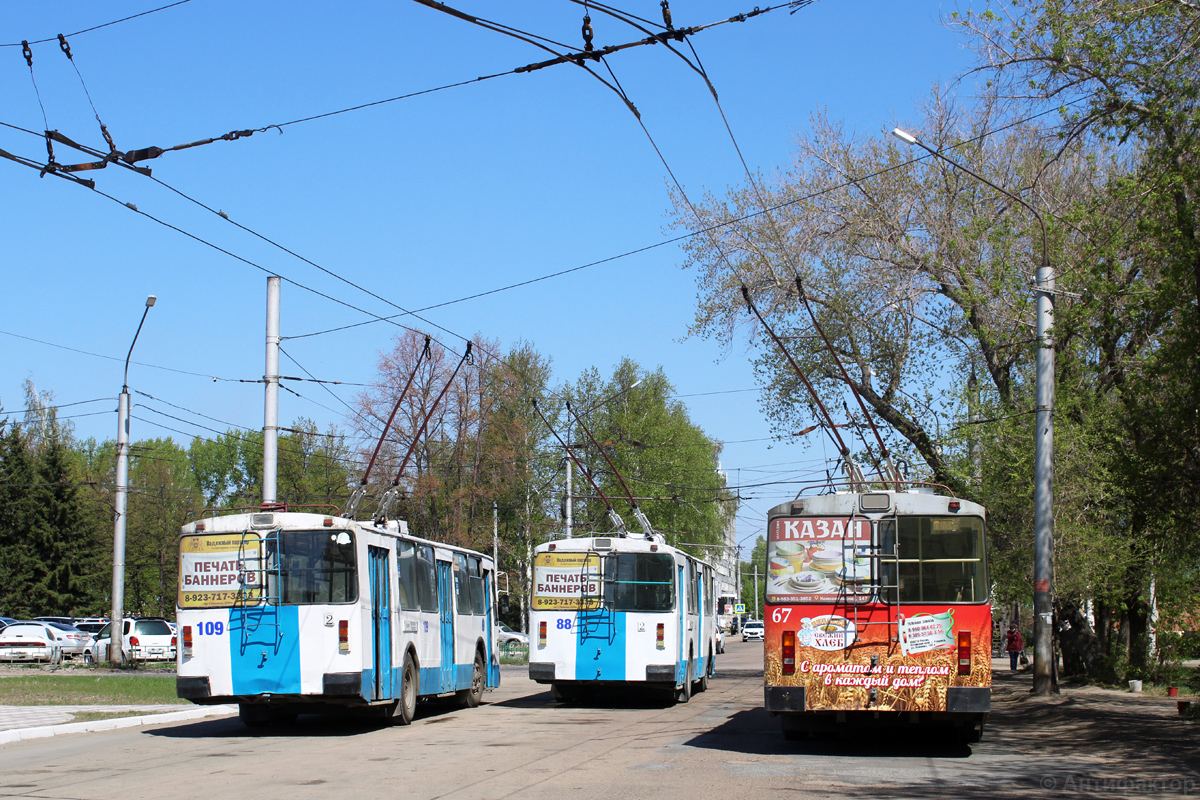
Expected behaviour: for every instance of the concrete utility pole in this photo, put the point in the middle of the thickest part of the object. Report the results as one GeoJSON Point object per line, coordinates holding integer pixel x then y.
{"type": "Point", "coordinates": [570, 511]}
{"type": "Point", "coordinates": [116, 649]}
{"type": "Point", "coordinates": [496, 554]}
{"type": "Point", "coordinates": [974, 416]}
{"type": "Point", "coordinates": [757, 610]}
{"type": "Point", "coordinates": [1043, 448]}
{"type": "Point", "coordinates": [271, 409]}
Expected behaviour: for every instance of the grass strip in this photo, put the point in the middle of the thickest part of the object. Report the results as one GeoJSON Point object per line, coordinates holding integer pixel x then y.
{"type": "Point", "coordinates": [93, 716]}
{"type": "Point", "coordinates": [87, 690]}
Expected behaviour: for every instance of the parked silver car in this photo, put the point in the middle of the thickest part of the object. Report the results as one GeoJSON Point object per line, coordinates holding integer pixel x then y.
{"type": "Point", "coordinates": [72, 640]}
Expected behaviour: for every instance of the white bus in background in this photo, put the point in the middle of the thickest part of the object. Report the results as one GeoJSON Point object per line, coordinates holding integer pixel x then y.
{"type": "Point", "coordinates": [292, 612]}
{"type": "Point", "coordinates": [613, 611]}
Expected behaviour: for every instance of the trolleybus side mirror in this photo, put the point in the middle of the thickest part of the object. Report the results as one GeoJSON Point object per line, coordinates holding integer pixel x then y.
{"type": "Point", "coordinates": [504, 605]}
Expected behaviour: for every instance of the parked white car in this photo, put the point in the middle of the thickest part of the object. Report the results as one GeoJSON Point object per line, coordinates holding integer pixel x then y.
{"type": "Point", "coordinates": [753, 630]}
{"type": "Point", "coordinates": [148, 639]}
{"type": "Point", "coordinates": [30, 641]}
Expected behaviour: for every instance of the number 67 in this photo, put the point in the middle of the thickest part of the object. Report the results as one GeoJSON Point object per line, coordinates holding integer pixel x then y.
{"type": "Point", "coordinates": [781, 614]}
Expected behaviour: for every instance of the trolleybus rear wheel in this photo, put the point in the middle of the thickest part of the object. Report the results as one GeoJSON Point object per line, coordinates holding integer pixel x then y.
{"type": "Point", "coordinates": [470, 698]}
{"type": "Point", "coordinates": [406, 704]}
{"type": "Point", "coordinates": [684, 693]}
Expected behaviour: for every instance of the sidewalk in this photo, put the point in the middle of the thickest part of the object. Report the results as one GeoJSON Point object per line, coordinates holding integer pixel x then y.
{"type": "Point", "coordinates": [36, 722]}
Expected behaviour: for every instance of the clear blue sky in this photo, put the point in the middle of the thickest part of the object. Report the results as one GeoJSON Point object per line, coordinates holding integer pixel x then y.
{"type": "Point", "coordinates": [421, 201]}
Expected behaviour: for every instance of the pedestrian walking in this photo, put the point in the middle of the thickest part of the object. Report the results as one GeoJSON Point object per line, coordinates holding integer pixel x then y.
{"type": "Point", "coordinates": [1014, 646]}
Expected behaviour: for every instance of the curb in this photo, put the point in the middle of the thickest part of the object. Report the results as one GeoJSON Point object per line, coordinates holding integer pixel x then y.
{"type": "Point", "coordinates": [44, 731]}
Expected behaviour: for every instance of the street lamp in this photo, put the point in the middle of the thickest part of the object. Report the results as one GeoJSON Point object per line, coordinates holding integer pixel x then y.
{"type": "Point", "coordinates": [1043, 445]}
{"type": "Point", "coordinates": [115, 643]}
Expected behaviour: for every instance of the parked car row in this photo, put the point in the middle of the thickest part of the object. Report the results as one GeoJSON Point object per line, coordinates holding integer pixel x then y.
{"type": "Point", "coordinates": [51, 639]}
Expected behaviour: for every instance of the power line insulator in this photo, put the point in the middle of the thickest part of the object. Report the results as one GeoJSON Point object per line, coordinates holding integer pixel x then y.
{"type": "Point", "coordinates": [587, 33]}
{"type": "Point", "coordinates": [666, 9]}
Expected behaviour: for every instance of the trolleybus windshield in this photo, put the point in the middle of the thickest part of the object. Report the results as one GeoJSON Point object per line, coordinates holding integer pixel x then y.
{"type": "Point", "coordinates": [941, 560]}
{"type": "Point", "coordinates": [639, 582]}
{"type": "Point", "coordinates": [309, 567]}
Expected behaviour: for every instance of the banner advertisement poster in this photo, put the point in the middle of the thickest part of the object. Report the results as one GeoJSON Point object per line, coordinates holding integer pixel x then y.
{"type": "Point", "coordinates": [218, 570]}
{"type": "Point", "coordinates": [566, 582]}
{"type": "Point", "coordinates": [835, 649]}
{"type": "Point", "coordinates": [818, 559]}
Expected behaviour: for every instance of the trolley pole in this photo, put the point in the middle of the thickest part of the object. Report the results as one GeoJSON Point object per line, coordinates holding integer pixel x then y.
{"type": "Point", "coordinates": [116, 649]}
{"type": "Point", "coordinates": [271, 409]}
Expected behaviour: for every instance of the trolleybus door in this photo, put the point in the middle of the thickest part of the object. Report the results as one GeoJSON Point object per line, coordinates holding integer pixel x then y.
{"type": "Point", "coordinates": [381, 622]}
{"type": "Point", "coordinates": [445, 585]}
{"type": "Point", "coordinates": [681, 670]}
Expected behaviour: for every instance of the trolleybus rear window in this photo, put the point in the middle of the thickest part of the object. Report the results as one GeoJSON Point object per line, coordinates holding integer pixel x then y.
{"type": "Point", "coordinates": [309, 567]}
{"type": "Point", "coordinates": [639, 582]}
{"type": "Point", "coordinates": [940, 560]}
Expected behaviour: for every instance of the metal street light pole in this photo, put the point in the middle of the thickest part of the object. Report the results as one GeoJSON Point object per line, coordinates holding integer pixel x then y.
{"type": "Point", "coordinates": [1043, 446]}
{"type": "Point", "coordinates": [116, 651]}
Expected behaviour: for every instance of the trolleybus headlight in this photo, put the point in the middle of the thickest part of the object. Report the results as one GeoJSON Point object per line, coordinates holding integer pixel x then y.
{"type": "Point", "coordinates": [964, 652]}
{"type": "Point", "coordinates": [343, 636]}
{"type": "Point", "coordinates": [789, 652]}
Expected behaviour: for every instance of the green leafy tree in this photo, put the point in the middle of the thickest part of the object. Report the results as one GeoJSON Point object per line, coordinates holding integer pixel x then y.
{"type": "Point", "coordinates": [664, 460]}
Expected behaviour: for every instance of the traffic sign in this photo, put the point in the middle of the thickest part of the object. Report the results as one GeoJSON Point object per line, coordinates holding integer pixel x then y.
{"type": "Point", "coordinates": [739, 608]}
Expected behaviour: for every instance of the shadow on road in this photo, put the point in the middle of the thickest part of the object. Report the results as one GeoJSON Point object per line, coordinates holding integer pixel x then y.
{"type": "Point", "coordinates": [353, 722]}
{"type": "Point", "coordinates": [753, 732]}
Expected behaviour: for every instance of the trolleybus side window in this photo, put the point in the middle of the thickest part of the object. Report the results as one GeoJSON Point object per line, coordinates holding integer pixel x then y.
{"type": "Point", "coordinates": [308, 567]}
{"type": "Point", "coordinates": [475, 576]}
{"type": "Point", "coordinates": [406, 553]}
{"type": "Point", "coordinates": [426, 579]}
{"type": "Point", "coordinates": [462, 586]}
{"type": "Point", "coordinates": [639, 582]}
{"type": "Point", "coordinates": [693, 599]}
{"type": "Point", "coordinates": [941, 560]}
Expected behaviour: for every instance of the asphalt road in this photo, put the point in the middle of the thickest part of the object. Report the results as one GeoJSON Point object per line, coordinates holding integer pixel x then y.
{"type": "Point", "coordinates": [520, 743]}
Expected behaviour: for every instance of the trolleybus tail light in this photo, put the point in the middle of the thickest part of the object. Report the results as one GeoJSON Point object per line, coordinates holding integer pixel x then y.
{"type": "Point", "coordinates": [542, 634]}
{"type": "Point", "coordinates": [660, 636]}
{"type": "Point", "coordinates": [964, 652]}
{"type": "Point", "coordinates": [954, 505]}
{"type": "Point", "coordinates": [327, 522]}
{"type": "Point", "coordinates": [187, 641]}
{"type": "Point", "coordinates": [343, 636]}
{"type": "Point", "coordinates": [789, 652]}
{"type": "Point", "coordinates": [199, 526]}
